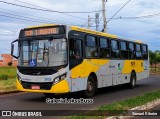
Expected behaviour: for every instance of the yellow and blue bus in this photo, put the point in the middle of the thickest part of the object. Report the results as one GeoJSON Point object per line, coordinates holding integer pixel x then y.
{"type": "Point", "coordinates": [55, 59]}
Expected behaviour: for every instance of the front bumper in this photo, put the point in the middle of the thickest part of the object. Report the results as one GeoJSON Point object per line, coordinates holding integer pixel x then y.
{"type": "Point", "coordinates": [61, 87]}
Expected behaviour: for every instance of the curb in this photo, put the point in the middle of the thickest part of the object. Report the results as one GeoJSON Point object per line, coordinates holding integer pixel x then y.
{"type": "Point", "coordinates": [10, 92]}
{"type": "Point", "coordinates": [147, 106]}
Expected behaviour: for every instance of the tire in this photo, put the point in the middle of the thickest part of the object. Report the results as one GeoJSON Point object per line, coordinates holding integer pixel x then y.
{"type": "Point", "coordinates": [49, 94]}
{"type": "Point", "coordinates": [91, 87]}
{"type": "Point", "coordinates": [133, 80]}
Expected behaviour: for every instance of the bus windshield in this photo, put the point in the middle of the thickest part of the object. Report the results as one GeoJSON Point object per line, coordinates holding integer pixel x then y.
{"type": "Point", "coordinates": [43, 53]}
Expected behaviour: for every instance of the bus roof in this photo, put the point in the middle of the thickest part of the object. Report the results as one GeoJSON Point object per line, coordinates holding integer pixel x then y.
{"type": "Point", "coordinates": [92, 32]}
{"type": "Point", "coordinates": [88, 31]}
{"type": "Point", "coordinates": [43, 25]}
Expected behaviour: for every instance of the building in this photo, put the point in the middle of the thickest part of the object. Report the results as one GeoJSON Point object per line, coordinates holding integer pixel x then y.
{"type": "Point", "coordinates": [6, 58]}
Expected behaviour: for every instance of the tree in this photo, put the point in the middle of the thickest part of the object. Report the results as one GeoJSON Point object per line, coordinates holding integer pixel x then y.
{"type": "Point", "coordinates": [152, 56]}
{"type": "Point", "coordinates": [156, 58]}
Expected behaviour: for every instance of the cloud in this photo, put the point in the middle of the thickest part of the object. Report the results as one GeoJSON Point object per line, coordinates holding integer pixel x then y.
{"type": "Point", "coordinates": [5, 32]}
{"type": "Point", "coordinates": [145, 29]}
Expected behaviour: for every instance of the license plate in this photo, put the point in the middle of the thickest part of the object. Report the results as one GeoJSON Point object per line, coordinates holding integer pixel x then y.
{"type": "Point", "coordinates": [35, 87]}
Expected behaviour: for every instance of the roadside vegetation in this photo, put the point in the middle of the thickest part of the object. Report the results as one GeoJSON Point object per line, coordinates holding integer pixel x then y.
{"type": "Point", "coordinates": [154, 61]}
{"type": "Point", "coordinates": [120, 107]}
{"type": "Point", "coordinates": [7, 79]}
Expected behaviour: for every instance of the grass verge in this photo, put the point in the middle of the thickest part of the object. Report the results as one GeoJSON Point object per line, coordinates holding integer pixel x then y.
{"type": "Point", "coordinates": [118, 108]}
{"type": "Point", "coordinates": [7, 85]}
{"type": "Point", "coordinates": [7, 79]}
{"type": "Point", "coordinates": [7, 73]}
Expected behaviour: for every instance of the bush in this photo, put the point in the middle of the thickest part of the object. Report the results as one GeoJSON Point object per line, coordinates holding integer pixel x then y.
{"type": "Point", "coordinates": [10, 63]}
{"type": "Point", "coordinates": [4, 77]}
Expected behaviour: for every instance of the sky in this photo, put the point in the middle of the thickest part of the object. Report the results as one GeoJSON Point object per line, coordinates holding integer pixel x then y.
{"type": "Point", "coordinates": [13, 18]}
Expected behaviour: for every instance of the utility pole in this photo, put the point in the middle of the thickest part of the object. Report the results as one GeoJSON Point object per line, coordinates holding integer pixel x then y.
{"type": "Point", "coordinates": [97, 21]}
{"type": "Point", "coordinates": [104, 15]}
{"type": "Point", "coordinates": [89, 22]}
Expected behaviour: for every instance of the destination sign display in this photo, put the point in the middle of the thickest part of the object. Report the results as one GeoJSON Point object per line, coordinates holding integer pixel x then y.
{"type": "Point", "coordinates": [42, 31]}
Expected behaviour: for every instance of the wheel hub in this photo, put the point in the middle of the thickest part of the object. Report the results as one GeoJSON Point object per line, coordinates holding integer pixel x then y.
{"type": "Point", "coordinates": [90, 87]}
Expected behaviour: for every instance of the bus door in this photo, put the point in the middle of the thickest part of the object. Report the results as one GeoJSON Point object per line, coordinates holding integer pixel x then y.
{"type": "Point", "coordinates": [115, 63]}
{"type": "Point", "coordinates": [75, 61]}
{"type": "Point", "coordinates": [116, 71]}
{"type": "Point", "coordinates": [105, 78]}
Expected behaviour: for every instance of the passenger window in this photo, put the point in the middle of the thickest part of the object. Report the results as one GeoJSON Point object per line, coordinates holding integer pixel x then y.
{"type": "Point", "coordinates": [138, 52]}
{"type": "Point", "coordinates": [124, 52]}
{"type": "Point", "coordinates": [138, 49]}
{"type": "Point", "coordinates": [144, 49]}
{"type": "Point", "coordinates": [103, 43]}
{"type": "Point", "coordinates": [91, 47]}
{"type": "Point", "coordinates": [114, 44]}
{"type": "Point", "coordinates": [91, 52]}
{"type": "Point", "coordinates": [123, 46]}
{"type": "Point", "coordinates": [131, 46]}
{"type": "Point", "coordinates": [131, 51]}
{"type": "Point", "coordinates": [76, 48]}
{"type": "Point", "coordinates": [104, 48]}
{"type": "Point", "coordinates": [115, 50]}
{"type": "Point", "coordinates": [91, 41]}
{"type": "Point", "coordinates": [144, 52]}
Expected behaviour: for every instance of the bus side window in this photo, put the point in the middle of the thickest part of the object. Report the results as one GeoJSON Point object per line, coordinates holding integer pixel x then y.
{"type": "Point", "coordinates": [124, 52]}
{"type": "Point", "coordinates": [144, 51]}
{"type": "Point", "coordinates": [76, 48]}
{"type": "Point", "coordinates": [115, 49]}
{"type": "Point", "coordinates": [131, 51]}
{"type": "Point", "coordinates": [91, 47]}
{"type": "Point", "coordinates": [138, 52]}
{"type": "Point", "coordinates": [104, 48]}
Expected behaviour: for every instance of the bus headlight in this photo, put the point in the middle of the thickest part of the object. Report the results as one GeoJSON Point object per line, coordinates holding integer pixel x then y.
{"type": "Point", "coordinates": [19, 78]}
{"type": "Point", "coordinates": [60, 78]}
{"type": "Point", "coordinates": [56, 80]}
{"type": "Point", "coordinates": [63, 76]}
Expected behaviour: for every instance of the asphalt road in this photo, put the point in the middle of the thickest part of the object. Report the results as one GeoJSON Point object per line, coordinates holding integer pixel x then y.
{"type": "Point", "coordinates": [36, 101]}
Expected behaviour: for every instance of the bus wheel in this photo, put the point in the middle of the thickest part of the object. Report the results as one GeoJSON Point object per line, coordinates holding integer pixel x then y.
{"type": "Point", "coordinates": [49, 94]}
{"type": "Point", "coordinates": [91, 87]}
{"type": "Point", "coordinates": [132, 83]}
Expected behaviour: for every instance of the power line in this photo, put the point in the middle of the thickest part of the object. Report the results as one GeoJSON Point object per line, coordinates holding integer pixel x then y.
{"type": "Point", "coordinates": [24, 17]}
{"type": "Point", "coordinates": [138, 17]}
{"type": "Point", "coordinates": [55, 11]}
{"type": "Point", "coordinates": [60, 22]}
{"type": "Point", "coordinates": [29, 18]}
{"type": "Point", "coordinates": [118, 11]}
{"type": "Point", "coordinates": [86, 23]}
{"type": "Point", "coordinates": [21, 18]}
{"type": "Point", "coordinates": [45, 10]}
{"type": "Point", "coordinates": [36, 20]}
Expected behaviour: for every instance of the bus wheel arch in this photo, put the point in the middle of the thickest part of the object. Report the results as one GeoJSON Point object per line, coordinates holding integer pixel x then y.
{"type": "Point", "coordinates": [91, 86]}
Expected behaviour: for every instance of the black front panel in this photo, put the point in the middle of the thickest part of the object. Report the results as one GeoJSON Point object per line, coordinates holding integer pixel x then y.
{"type": "Point", "coordinates": [29, 71]}
{"type": "Point", "coordinates": [40, 71]}
{"type": "Point", "coordinates": [43, 86]}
